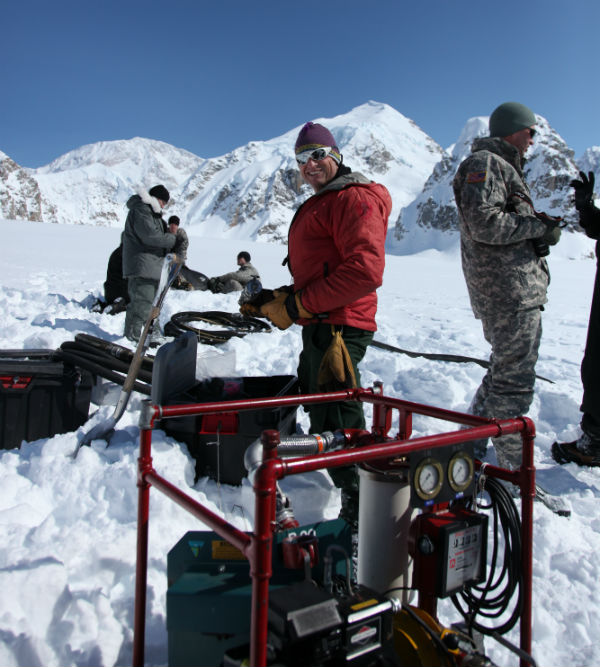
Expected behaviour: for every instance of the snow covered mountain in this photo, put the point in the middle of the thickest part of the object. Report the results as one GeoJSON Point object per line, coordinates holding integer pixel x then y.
{"type": "Point", "coordinates": [431, 220]}
{"type": "Point", "coordinates": [590, 161]}
{"type": "Point", "coordinates": [91, 184]}
{"type": "Point", "coordinates": [252, 192]}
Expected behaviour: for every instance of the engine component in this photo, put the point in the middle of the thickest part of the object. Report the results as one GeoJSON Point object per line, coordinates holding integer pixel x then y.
{"type": "Point", "coordinates": [310, 626]}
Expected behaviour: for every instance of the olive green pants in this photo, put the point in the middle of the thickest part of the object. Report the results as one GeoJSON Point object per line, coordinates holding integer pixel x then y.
{"type": "Point", "coordinates": [316, 338]}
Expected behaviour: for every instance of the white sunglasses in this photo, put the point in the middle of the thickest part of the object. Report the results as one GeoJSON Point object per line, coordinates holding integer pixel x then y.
{"type": "Point", "coordinates": [315, 154]}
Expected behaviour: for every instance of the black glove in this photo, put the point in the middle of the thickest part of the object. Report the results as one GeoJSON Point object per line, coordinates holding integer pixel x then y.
{"type": "Point", "coordinates": [214, 285]}
{"type": "Point", "coordinates": [542, 243]}
{"type": "Point", "coordinates": [584, 190]}
{"type": "Point", "coordinates": [551, 236]}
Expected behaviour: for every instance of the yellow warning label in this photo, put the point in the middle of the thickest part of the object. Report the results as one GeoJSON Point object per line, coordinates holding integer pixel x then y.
{"type": "Point", "coordinates": [222, 550]}
{"type": "Point", "coordinates": [362, 605]}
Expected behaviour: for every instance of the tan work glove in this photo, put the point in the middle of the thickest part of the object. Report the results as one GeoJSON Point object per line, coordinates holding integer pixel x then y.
{"type": "Point", "coordinates": [285, 309]}
{"type": "Point", "coordinates": [336, 371]}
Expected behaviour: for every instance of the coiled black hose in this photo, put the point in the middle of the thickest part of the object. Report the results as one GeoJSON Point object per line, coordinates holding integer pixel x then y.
{"type": "Point", "coordinates": [492, 599]}
{"type": "Point", "coordinates": [238, 325]}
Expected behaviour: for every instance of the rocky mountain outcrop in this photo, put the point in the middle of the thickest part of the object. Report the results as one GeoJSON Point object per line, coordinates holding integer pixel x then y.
{"type": "Point", "coordinates": [20, 196]}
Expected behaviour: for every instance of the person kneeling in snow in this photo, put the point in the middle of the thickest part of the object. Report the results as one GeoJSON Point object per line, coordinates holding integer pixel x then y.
{"type": "Point", "coordinates": [116, 296]}
{"type": "Point", "coordinates": [236, 280]}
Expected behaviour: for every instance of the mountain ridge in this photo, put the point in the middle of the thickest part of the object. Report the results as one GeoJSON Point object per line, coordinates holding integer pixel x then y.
{"type": "Point", "coordinates": [253, 191]}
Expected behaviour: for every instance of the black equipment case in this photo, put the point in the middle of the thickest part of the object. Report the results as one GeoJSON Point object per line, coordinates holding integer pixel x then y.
{"type": "Point", "coordinates": [40, 396]}
{"type": "Point", "coordinates": [217, 442]}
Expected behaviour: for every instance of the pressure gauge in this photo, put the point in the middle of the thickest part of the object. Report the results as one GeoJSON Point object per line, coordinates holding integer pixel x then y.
{"type": "Point", "coordinates": [460, 471]}
{"type": "Point", "coordinates": [429, 477]}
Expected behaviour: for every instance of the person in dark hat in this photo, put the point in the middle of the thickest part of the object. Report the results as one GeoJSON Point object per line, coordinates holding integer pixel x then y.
{"type": "Point", "coordinates": [145, 244]}
{"type": "Point", "coordinates": [181, 238]}
{"type": "Point", "coordinates": [336, 255]}
{"type": "Point", "coordinates": [504, 241]}
{"type": "Point", "coordinates": [235, 280]}
{"type": "Point", "coordinates": [180, 249]}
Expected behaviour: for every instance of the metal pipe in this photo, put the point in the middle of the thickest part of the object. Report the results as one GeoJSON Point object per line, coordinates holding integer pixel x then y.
{"type": "Point", "coordinates": [527, 495]}
{"type": "Point", "coordinates": [141, 564]}
{"type": "Point", "coordinates": [236, 537]}
{"type": "Point", "coordinates": [265, 486]}
{"type": "Point", "coordinates": [400, 447]}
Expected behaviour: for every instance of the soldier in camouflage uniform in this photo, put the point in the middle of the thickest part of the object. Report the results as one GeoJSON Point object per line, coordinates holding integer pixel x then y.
{"type": "Point", "coordinates": [503, 240]}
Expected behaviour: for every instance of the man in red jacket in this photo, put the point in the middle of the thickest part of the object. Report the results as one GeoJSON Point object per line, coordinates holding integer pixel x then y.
{"type": "Point", "coordinates": [336, 257]}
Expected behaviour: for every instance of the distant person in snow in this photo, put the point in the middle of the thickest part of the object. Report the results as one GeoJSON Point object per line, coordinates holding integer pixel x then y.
{"type": "Point", "coordinates": [180, 249]}
{"type": "Point", "coordinates": [336, 257]}
{"type": "Point", "coordinates": [145, 244]}
{"type": "Point", "coordinates": [503, 244]}
{"type": "Point", "coordinates": [586, 449]}
{"type": "Point", "coordinates": [115, 297]}
{"type": "Point", "coordinates": [181, 238]}
{"type": "Point", "coordinates": [236, 280]}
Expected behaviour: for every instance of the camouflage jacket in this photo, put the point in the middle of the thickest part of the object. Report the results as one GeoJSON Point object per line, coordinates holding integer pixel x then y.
{"type": "Point", "coordinates": [243, 275]}
{"type": "Point", "coordinates": [497, 223]}
{"type": "Point", "coordinates": [182, 243]}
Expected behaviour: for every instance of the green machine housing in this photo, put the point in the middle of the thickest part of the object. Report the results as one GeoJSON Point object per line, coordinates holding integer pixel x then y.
{"type": "Point", "coordinates": [210, 589]}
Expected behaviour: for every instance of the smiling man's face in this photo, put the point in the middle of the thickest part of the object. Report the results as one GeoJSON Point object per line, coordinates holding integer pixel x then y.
{"type": "Point", "coordinates": [317, 173]}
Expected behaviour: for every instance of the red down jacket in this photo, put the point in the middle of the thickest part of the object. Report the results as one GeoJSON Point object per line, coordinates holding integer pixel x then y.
{"type": "Point", "coordinates": [336, 250]}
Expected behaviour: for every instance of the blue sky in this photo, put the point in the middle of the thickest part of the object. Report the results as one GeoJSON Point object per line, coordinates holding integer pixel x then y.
{"type": "Point", "coordinates": [208, 76]}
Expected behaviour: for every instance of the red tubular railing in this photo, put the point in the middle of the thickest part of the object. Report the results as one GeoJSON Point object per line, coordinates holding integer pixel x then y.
{"type": "Point", "coordinates": [257, 546]}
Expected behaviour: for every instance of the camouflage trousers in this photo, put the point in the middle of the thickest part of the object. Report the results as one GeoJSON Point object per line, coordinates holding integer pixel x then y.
{"type": "Point", "coordinates": [506, 390]}
{"type": "Point", "coordinates": [141, 296]}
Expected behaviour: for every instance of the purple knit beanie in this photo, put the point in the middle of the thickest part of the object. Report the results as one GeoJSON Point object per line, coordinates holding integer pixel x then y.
{"type": "Point", "coordinates": [313, 136]}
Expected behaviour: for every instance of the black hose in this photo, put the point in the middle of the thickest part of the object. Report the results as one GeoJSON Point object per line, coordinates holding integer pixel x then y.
{"type": "Point", "coordinates": [454, 358]}
{"type": "Point", "coordinates": [492, 599]}
{"type": "Point", "coordinates": [238, 325]}
{"type": "Point", "coordinates": [113, 349]}
{"type": "Point", "coordinates": [100, 365]}
{"type": "Point", "coordinates": [95, 355]}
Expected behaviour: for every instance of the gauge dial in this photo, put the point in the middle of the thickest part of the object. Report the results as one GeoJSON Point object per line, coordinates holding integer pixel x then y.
{"type": "Point", "coordinates": [429, 476]}
{"type": "Point", "coordinates": [460, 471]}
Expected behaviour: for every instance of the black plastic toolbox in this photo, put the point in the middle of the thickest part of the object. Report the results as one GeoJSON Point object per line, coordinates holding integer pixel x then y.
{"type": "Point", "coordinates": [218, 442]}
{"type": "Point", "coordinates": [40, 396]}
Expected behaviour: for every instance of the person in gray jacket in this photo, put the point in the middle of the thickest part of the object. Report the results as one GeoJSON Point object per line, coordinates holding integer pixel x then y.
{"type": "Point", "coordinates": [236, 280]}
{"type": "Point", "coordinates": [182, 243]}
{"type": "Point", "coordinates": [145, 244]}
{"type": "Point", "coordinates": [503, 243]}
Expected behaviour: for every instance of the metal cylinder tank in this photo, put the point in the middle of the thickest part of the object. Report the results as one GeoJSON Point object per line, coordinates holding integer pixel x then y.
{"type": "Point", "coordinates": [384, 519]}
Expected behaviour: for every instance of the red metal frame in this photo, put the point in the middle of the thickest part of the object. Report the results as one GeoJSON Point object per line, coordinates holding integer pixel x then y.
{"type": "Point", "coordinates": [257, 546]}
